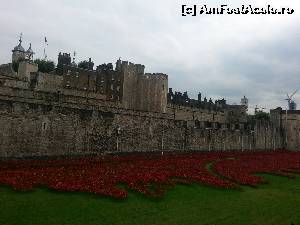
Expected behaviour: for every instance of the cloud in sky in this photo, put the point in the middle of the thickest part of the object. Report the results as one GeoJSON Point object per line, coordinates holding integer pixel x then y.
{"type": "Point", "coordinates": [220, 55]}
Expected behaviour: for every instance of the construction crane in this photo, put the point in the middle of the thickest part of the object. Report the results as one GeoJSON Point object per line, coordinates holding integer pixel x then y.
{"type": "Point", "coordinates": [291, 103]}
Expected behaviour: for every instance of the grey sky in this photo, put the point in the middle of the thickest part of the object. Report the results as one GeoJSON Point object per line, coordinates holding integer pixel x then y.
{"type": "Point", "coordinates": [221, 56]}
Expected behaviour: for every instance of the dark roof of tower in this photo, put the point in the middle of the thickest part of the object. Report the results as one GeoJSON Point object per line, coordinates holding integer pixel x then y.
{"type": "Point", "coordinates": [29, 51]}
{"type": "Point", "coordinates": [19, 47]}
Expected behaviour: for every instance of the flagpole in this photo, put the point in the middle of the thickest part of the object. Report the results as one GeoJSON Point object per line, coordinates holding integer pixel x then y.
{"type": "Point", "coordinates": [46, 44]}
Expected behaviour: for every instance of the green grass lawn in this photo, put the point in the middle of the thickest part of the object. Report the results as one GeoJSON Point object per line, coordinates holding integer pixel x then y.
{"type": "Point", "coordinates": [275, 203]}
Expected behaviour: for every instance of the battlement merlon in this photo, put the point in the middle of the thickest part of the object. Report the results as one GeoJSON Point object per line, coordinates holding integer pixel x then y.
{"type": "Point", "coordinates": [131, 67]}
{"type": "Point", "coordinates": [161, 76]}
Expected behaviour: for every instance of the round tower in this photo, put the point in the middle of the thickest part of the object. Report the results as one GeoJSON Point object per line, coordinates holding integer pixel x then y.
{"type": "Point", "coordinates": [18, 52]}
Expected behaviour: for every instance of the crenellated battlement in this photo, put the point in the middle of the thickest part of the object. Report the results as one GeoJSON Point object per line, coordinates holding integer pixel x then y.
{"type": "Point", "coordinates": [159, 76]}
{"type": "Point", "coordinates": [127, 83]}
{"type": "Point", "coordinates": [73, 110]}
{"type": "Point", "coordinates": [7, 70]}
{"type": "Point", "coordinates": [132, 68]}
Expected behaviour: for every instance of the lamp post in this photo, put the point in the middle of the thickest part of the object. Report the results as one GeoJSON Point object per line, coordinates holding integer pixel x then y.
{"type": "Point", "coordinates": [118, 130]}
{"type": "Point", "coordinates": [162, 140]}
{"type": "Point", "coordinates": [242, 142]}
{"type": "Point", "coordinates": [286, 125]}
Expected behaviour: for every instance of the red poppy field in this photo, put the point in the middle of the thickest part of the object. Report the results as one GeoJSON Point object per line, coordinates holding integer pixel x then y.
{"type": "Point", "coordinates": [151, 174]}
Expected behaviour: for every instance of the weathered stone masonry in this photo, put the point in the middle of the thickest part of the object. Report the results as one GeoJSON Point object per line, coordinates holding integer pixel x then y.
{"type": "Point", "coordinates": [73, 111]}
{"type": "Point", "coordinates": [38, 123]}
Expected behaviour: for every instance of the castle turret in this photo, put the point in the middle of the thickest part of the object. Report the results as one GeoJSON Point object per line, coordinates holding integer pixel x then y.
{"type": "Point", "coordinates": [63, 59]}
{"type": "Point", "coordinates": [18, 52]}
{"type": "Point", "coordinates": [29, 53]}
{"type": "Point", "coordinates": [90, 64]}
{"type": "Point", "coordinates": [118, 64]}
{"type": "Point", "coordinates": [244, 102]}
{"type": "Point", "coordinates": [199, 97]}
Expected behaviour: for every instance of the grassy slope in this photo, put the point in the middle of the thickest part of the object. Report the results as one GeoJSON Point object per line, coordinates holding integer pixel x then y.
{"type": "Point", "coordinates": [276, 203]}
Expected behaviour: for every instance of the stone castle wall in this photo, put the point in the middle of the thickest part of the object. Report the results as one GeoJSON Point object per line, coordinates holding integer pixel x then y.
{"type": "Point", "coordinates": [140, 91]}
{"type": "Point", "coordinates": [152, 92]}
{"type": "Point", "coordinates": [84, 80]}
{"type": "Point", "coordinates": [40, 123]}
{"type": "Point", "coordinates": [46, 82]}
{"type": "Point", "coordinates": [129, 76]}
{"type": "Point", "coordinates": [6, 71]}
{"type": "Point", "coordinates": [289, 123]}
{"type": "Point", "coordinates": [92, 112]}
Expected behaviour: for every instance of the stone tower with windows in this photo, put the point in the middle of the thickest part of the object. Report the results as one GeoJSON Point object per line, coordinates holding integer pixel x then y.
{"type": "Point", "coordinates": [244, 102]}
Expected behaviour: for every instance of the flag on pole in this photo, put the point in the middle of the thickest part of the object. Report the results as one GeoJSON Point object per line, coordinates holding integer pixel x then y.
{"type": "Point", "coordinates": [46, 43]}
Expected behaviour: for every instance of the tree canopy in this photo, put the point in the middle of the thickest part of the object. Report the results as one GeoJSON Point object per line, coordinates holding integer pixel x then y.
{"type": "Point", "coordinates": [83, 64]}
{"type": "Point", "coordinates": [259, 115]}
{"type": "Point", "coordinates": [45, 66]}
